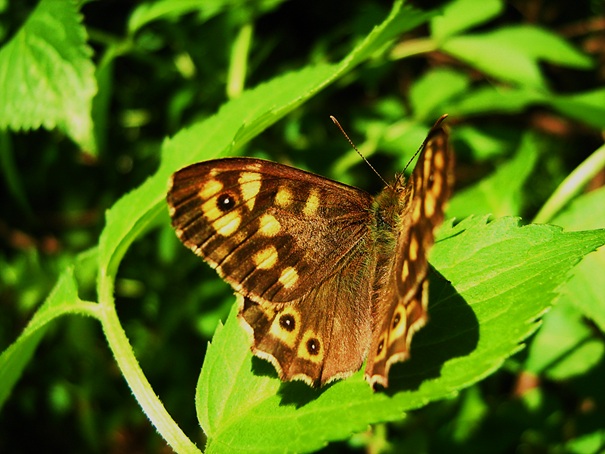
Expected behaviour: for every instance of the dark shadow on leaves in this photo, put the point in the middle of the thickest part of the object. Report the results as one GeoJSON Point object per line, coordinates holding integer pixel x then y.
{"type": "Point", "coordinates": [299, 394]}
{"type": "Point", "coordinates": [263, 368]}
{"type": "Point", "coordinates": [295, 393]}
{"type": "Point", "coordinates": [451, 332]}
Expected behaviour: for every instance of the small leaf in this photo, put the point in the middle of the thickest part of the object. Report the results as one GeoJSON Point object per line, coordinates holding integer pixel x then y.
{"type": "Point", "coordinates": [564, 347]}
{"type": "Point", "coordinates": [585, 289]}
{"type": "Point", "coordinates": [588, 107]}
{"type": "Point", "coordinates": [461, 15]}
{"type": "Point", "coordinates": [431, 92]}
{"type": "Point", "coordinates": [496, 99]}
{"type": "Point", "coordinates": [513, 53]}
{"type": "Point", "coordinates": [146, 13]}
{"type": "Point", "coordinates": [501, 193]}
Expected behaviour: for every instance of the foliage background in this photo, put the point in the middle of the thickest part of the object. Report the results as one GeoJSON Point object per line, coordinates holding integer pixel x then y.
{"type": "Point", "coordinates": [158, 71]}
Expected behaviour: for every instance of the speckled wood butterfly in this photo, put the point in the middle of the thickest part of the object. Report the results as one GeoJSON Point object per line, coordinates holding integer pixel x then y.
{"type": "Point", "coordinates": [327, 274]}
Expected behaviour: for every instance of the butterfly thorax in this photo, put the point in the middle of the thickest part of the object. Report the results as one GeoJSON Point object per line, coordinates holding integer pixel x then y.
{"type": "Point", "coordinates": [388, 207]}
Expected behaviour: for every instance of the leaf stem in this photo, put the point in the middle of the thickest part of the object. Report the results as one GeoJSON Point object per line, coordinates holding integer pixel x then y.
{"type": "Point", "coordinates": [412, 47]}
{"type": "Point", "coordinates": [572, 185]}
{"type": "Point", "coordinates": [131, 370]}
{"type": "Point", "coordinates": [236, 77]}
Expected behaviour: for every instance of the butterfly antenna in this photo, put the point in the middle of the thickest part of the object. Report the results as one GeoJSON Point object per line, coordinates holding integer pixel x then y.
{"type": "Point", "coordinates": [435, 126]}
{"type": "Point", "coordinates": [358, 152]}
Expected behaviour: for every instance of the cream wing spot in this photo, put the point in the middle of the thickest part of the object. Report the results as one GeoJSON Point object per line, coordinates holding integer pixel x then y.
{"type": "Point", "coordinates": [405, 270]}
{"type": "Point", "coordinates": [254, 166]}
{"type": "Point", "coordinates": [269, 226]}
{"type": "Point", "coordinates": [210, 210]}
{"type": "Point", "coordinates": [428, 160]}
{"type": "Point", "coordinates": [312, 203]}
{"type": "Point", "coordinates": [288, 277]}
{"type": "Point", "coordinates": [417, 212]}
{"type": "Point", "coordinates": [413, 250]}
{"type": "Point", "coordinates": [250, 183]}
{"type": "Point", "coordinates": [429, 204]}
{"type": "Point", "coordinates": [218, 208]}
{"type": "Point", "coordinates": [227, 224]}
{"type": "Point", "coordinates": [266, 258]}
{"type": "Point", "coordinates": [438, 161]}
{"type": "Point", "coordinates": [437, 185]}
{"type": "Point", "coordinates": [283, 197]}
{"type": "Point", "coordinates": [210, 189]}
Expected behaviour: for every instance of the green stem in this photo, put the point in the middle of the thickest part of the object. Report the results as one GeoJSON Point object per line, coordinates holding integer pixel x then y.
{"type": "Point", "coordinates": [129, 366]}
{"type": "Point", "coordinates": [572, 185]}
{"type": "Point", "coordinates": [238, 66]}
{"type": "Point", "coordinates": [412, 47]}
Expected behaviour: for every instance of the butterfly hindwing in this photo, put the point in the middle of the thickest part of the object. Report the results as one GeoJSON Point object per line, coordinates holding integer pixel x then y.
{"type": "Point", "coordinates": [321, 336]}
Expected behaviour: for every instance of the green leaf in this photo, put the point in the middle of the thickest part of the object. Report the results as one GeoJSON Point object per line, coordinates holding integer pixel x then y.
{"type": "Point", "coordinates": [496, 99]}
{"type": "Point", "coordinates": [588, 107]}
{"type": "Point", "coordinates": [504, 278]}
{"type": "Point", "coordinates": [61, 301]}
{"type": "Point", "coordinates": [565, 346]}
{"type": "Point", "coordinates": [585, 289]}
{"type": "Point", "coordinates": [587, 443]}
{"type": "Point", "coordinates": [146, 13]}
{"type": "Point", "coordinates": [430, 93]}
{"type": "Point", "coordinates": [461, 15]}
{"type": "Point", "coordinates": [47, 76]}
{"type": "Point", "coordinates": [513, 53]}
{"type": "Point", "coordinates": [482, 143]}
{"type": "Point", "coordinates": [500, 194]}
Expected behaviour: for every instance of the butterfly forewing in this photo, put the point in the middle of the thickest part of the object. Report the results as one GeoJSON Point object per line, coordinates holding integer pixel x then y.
{"type": "Point", "coordinates": [272, 231]}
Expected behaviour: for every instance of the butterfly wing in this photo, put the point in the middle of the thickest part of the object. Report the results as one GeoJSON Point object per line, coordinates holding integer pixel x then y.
{"type": "Point", "coordinates": [271, 231]}
{"type": "Point", "coordinates": [283, 238]}
{"type": "Point", "coordinates": [322, 336]}
{"type": "Point", "coordinates": [400, 306]}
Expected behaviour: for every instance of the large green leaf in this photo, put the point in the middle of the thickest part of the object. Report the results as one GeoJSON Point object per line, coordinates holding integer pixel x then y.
{"type": "Point", "coordinates": [503, 277]}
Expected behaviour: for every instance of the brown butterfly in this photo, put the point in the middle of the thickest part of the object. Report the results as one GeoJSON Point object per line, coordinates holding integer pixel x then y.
{"type": "Point", "coordinates": [328, 275]}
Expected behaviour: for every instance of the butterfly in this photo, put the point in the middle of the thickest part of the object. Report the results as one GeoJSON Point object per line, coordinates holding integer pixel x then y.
{"type": "Point", "coordinates": [327, 275]}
